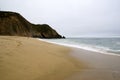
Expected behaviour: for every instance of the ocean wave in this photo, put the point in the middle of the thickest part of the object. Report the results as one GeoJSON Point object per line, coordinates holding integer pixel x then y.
{"type": "Point", "coordinates": [88, 47]}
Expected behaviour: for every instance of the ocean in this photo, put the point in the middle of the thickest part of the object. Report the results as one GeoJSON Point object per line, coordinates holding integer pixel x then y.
{"type": "Point", "coordinates": [103, 45]}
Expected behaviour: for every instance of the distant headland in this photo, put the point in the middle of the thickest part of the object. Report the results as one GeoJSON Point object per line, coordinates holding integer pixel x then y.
{"type": "Point", "coordinates": [13, 24]}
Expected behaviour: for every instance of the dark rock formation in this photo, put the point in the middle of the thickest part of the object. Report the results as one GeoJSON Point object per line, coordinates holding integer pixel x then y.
{"type": "Point", "coordinates": [44, 31]}
{"type": "Point", "coordinates": [13, 24]}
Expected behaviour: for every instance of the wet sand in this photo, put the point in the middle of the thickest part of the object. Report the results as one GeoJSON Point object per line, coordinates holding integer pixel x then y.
{"type": "Point", "coordinates": [23, 58]}
{"type": "Point", "coordinates": [101, 66]}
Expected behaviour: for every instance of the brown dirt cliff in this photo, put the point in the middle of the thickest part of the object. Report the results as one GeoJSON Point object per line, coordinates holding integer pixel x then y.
{"type": "Point", "coordinates": [13, 24]}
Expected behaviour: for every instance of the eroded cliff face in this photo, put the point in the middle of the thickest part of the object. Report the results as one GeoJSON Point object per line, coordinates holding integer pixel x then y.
{"type": "Point", "coordinates": [13, 24]}
{"type": "Point", "coordinates": [44, 31]}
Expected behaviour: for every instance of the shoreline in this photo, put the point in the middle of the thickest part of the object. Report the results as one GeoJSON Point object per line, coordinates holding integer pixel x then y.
{"type": "Point", "coordinates": [23, 58]}
{"type": "Point", "coordinates": [79, 53]}
{"type": "Point", "coordinates": [100, 66]}
{"type": "Point", "coordinates": [78, 47]}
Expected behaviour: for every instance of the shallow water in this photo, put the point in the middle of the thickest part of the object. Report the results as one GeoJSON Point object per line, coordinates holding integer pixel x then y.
{"type": "Point", "coordinates": [105, 45]}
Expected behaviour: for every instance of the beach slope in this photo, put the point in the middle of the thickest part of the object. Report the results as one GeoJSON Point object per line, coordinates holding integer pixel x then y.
{"type": "Point", "coordinates": [24, 58]}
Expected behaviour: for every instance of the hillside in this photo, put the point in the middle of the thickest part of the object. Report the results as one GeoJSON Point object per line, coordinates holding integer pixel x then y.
{"type": "Point", "coordinates": [13, 24]}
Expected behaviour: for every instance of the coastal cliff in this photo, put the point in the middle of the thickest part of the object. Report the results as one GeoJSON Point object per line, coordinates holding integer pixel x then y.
{"type": "Point", "coordinates": [13, 24]}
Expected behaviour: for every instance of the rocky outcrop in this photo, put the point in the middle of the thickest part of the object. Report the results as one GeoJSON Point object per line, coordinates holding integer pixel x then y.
{"type": "Point", "coordinates": [13, 24]}
{"type": "Point", "coordinates": [44, 31]}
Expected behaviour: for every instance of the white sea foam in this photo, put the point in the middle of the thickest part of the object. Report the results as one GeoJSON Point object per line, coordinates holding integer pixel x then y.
{"type": "Point", "coordinates": [99, 49]}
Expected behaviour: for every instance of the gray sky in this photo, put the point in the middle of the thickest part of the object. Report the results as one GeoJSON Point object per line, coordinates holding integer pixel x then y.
{"type": "Point", "coordinates": [71, 17]}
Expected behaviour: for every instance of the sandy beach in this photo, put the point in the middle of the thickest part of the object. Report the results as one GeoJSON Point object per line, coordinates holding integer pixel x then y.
{"type": "Point", "coordinates": [101, 66]}
{"type": "Point", "coordinates": [24, 58]}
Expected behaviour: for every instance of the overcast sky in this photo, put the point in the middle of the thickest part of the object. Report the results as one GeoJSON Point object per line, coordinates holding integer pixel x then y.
{"type": "Point", "coordinates": [71, 17]}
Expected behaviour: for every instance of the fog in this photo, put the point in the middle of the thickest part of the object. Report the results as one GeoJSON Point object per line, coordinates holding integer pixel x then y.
{"type": "Point", "coordinates": [71, 18]}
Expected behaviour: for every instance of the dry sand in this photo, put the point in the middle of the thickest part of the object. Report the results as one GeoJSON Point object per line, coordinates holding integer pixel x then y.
{"type": "Point", "coordinates": [30, 59]}
{"type": "Point", "coordinates": [23, 58]}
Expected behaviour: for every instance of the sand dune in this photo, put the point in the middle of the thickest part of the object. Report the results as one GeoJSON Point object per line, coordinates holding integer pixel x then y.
{"type": "Point", "coordinates": [23, 58]}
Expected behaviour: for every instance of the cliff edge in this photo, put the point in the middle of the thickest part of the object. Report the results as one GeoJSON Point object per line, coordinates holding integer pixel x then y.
{"type": "Point", "coordinates": [13, 24]}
